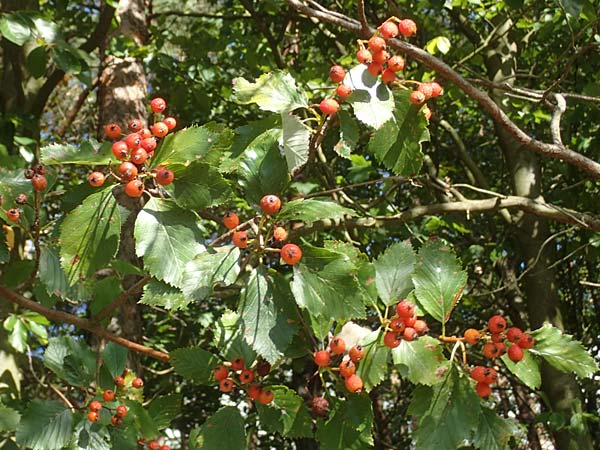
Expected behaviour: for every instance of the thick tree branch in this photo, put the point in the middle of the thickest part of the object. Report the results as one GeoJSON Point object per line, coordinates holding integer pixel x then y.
{"type": "Point", "coordinates": [85, 324]}
{"type": "Point", "coordinates": [483, 99]}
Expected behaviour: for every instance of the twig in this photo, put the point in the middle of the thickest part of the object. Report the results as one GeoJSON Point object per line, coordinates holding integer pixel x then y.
{"type": "Point", "coordinates": [363, 19]}
{"type": "Point", "coordinates": [120, 300]}
{"type": "Point", "coordinates": [559, 109]}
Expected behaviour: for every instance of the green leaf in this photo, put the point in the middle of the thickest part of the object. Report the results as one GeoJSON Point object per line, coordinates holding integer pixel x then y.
{"type": "Point", "coordinates": [89, 153]}
{"type": "Point", "coordinates": [266, 327]}
{"type": "Point", "coordinates": [286, 414]}
{"type": "Point", "coordinates": [210, 269]}
{"type": "Point", "coordinates": [372, 100]}
{"type": "Point", "coordinates": [397, 144]}
{"type": "Point", "coordinates": [262, 170]}
{"type": "Point", "coordinates": [185, 146]}
{"type": "Point", "coordinates": [90, 436]}
{"type": "Point", "coordinates": [438, 279]}
{"type": "Point", "coordinates": [229, 338]}
{"type": "Point", "coordinates": [198, 186]}
{"type": "Point", "coordinates": [115, 358]}
{"type": "Point", "coordinates": [37, 61]}
{"type": "Point", "coordinates": [573, 7]}
{"type": "Point", "coordinates": [295, 139]}
{"type": "Point", "coordinates": [194, 364]}
{"type": "Point", "coordinates": [493, 432]}
{"type": "Point", "coordinates": [164, 409]}
{"type": "Point", "coordinates": [438, 44]}
{"type": "Point", "coordinates": [144, 424]}
{"type": "Point", "coordinates": [71, 360]}
{"type": "Point", "coordinates": [421, 361]}
{"type": "Point", "coordinates": [9, 418]}
{"type": "Point", "coordinates": [168, 237]}
{"type": "Point", "coordinates": [393, 270]}
{"type": "Point", "coordinates": [312, 209]}
{"type": "Point", "coordinates": [349, 425]}
{"type": "Point", "coordinates": [349, 135]}
{"type": "Point", "coordinates": [4, 252]}
{"type": "Point", "coordinates": [89, 236]}
{"type": "Point", "coordinates": [527, 370]}
{"type": "Point", "coordinates": [16, 28]}
{"type": "Point", "coordinates": [67, 59]}
{"type": "Point", "coordinates": [157, 293]}
{"type": "Point", "coordinates": [18, 337]}
{"type": "Point", "coordinates": [274, 91]}
{"type": "Point", "coordinates": [46, 425]}
{"type": "Point", "coordinates": [223, 430]}
{"type": "Point", "coordinates": [52, 274]}
{"type": "Point", "coordinates": [373, 368]}
{"type": "Point", "coordinates": [325, 285]}
{"type": "Point", "coordinates": [562, 351]}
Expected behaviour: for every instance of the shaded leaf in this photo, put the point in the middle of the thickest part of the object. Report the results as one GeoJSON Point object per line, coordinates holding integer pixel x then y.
{"type": "Point", "coordinates": [421, 361]}
{"type": "Point", "coordinates": [210, 269]}
{"type": "Point", "coordinates": [115, 358]}
{"type": "Point", "coordinates": [164, 409]}
{"type": "Point", "coordinates": [373, 368]}
{"type": "Point", "coordinates": [46, 425]}
{"type": "Point", "coordinates": [493, 432]}
{"type": "Point", "coordinates": [52, 274]}
{"type": "Point", "coordinates": [229, 338]}
{"type": "Point", "coordinates": [194, 364]}
{"type": "Point", "coordinates": [348, 426]}
{"type": "Point", "coordinates": [274, 91]}
{"type": "Point", "coordinates": [71, 360]}
{"type": "Point", "coordinates": [393, 272]}
{"type": "Point", "coordinates": [349, 135]}
{"type": "Point", "coordinates": [9, 418]}
{"type": "Point", "coordinates": [527, 370]}
{"type": "Point", "coordinates": [286, 414]}
{"type": "Point", "coordinates": [223, 430]}
{"type": "Point", "coordinates": [157, 293]}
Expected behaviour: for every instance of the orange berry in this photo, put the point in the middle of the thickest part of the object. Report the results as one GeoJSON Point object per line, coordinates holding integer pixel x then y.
{"type": "Point", "coordinates": [376, 44]}
{"type": "Point", "coordinates": [337, 346]}
{"type": "Point", "coordinates": [164, 177]}
{"type": "Point", "coordinates": [364, 56]}
{"type": "Point", "coordinates": [391, 340]}
{"type": "Point", "coordinates": [92, 416]}
{"type": "Point", "coordinates": [158, 105]}
{"type": "Point", "coordinates": [490, 350]}
{"type": "Point", "coordinates": [478, 373]}
{"type": "Point", "coordinates": [322, 358]}
{"type": "Point", "coordinates": [133, 141]}
{"type": "Point", "coordinates": [135, 188]}
{"type": "Point", "coordinates": [329, 106]}
{"type": "Point", "coordinates": [116, 421]}
{"type": "Point", "coordinates": [357, 353]}
{"type": "Point", "coordinates": [254, 391]}
{"type": "Point", "coordinates": [501, 346]}
{"type": "Point", "coordinates": [405, 309]}
{"type": "Point", "coordinates": [389, 30]}
{"type": "Point", "coordinates": [279, 234]}
{"type": "Point", "coordinates": [407, 27]}
{"type": "Point", "coordinates": [426, 89]}
{"type": "Point", "coordinates": [381, 56]}
{"type": "Point", "coordinates": [514, 334]}
{"type": "Point", "coordinates": [515, 353]}
{"type": "Point", "coordinates": [247, 376]}
{"type": "Point", "coordinates": [417, 98]}
{"type": "Point", "coordinates": [231, 220]}
{"type": "Point", "coordinates": [265, 397]}
{"type": "Point", "coordinates": [343, 91]}
{"type": "Point", "coordinates": [410, 334]}
{"type": "Point", "coordinates": [420, 327]}
{"type": "Point", "coordinates": [121, 411]}
{"type": "Point", "coordinates": [497, 324]}
{"type": "Point", "coordinates": [95, 406]}
{"type": "Point", "coordinates": [237, 363]}
{"type": "Point", "coordinates": [396, 63]}
{"type": "Point", "coordinates": [337, 73]}
{"type": "Point", "coordinates": [39, 182]}
{"type": "Point", "coordinates": [120, 150]}
{"type": "Point", "coordinates": [354, 383]}
{"type": "Point", "coordinates": [291, 254]}
{"type": "Point", "coordinates": [240, 239]}
{"type": "Point", "coordinates": [96, 179]}
{"type": "Point", "coordinates": [108, 395]}
{"type": "Point", "coordinates": [397, 324]}
{"type": "Point", "coordinates": [220, 373]}
{"type": "Point", "coordinates": [497, 337]}
{"type": "Point", "coordinates": [160, 129]}
{"type": "Point", "coordinates": [270, 204]}
{"type": "Point", "coordinates": [112, 130]}
{"type": "Point", "coordinates": [472, 336]}
{"type": "Point", "coordinates": [436, 89]}
{"type": "Point", "coordinates": [13, 214]}
{"type": "Point", "coordinates": [526, 341]}
{"type": "Point", "coordinates": [483, 390]}
{"type": "Point", "coordinates": [138, 156]}
{"type": "Point", "coordinates": [135, 125]}
{"type": "Point", "coordinates": [375, 68]}
{"type": "Point", "coordinates": [170, 122]}
{"type": "Point", "coordinates": [347, 368]}
{"type": "Point", "coordinates": [137, 383]}
{"type": "Point", "coordinates": [226, 385]}
{"type": "Point", "coordinates": [119, 381]}
{"type": "Point", "coordinates": [388, 76]}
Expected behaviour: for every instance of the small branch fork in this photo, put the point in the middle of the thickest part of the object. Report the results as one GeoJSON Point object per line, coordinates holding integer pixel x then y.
{"type": "Point", "coordinates": [553, 150]}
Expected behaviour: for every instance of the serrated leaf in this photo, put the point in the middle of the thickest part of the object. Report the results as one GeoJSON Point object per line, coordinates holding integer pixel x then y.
{"type": "Point", "coordinates": [295, 139]}
{"type": "Point", "coordinates": [266, 327]}
{"type": "Point", "coordinates": [194, 364]}
{"type": "Point", "coordinates": [185, 146]}
{"type": "Point", "coordinates": [9, 418]}
{"type": "Point", "coordinates": [144, 424]}
{"type": "Point", "coordinates": [312, 209]}
{"type": "Point", "coordinates": [493, 432]}
{"type": "Point", "coordinates": [393, 272]}
{"type": "Point", "coordinates": [349, 135]}
{"type": "Point", "coordinates": [90, 436]}
{"type": "Point", "coordinates": [373, 368]}
{"type": "Point", "coordinates": [157, 293]}
{"type": "Point", "coordinates": [527, 370]}
{"type": "Point", "coordinates": [198, 186]}
{"type": "Point", "coordinates": [18, 337]}
{"type": "Point", "coordinates": [210, 269]}
{"type": "Point", "coordinates": [229, 338]}
{"type": "Point", "coordinates": [90, 153]}
{"type": "Point", "coordinates": [115, 358]}
{"type": "Point", "coordinates": [168, 237]}
{"type": "Point", "coordinates": [371, 100]}
{"type": "Point", "coordinates": [89, 236]}
{"type": "Point", "coordinates": [325, 285]}
{"type": "Point", "coordinates": [164, 409]}
{"type": "Point", "coordinates": [262, 170]}
{"type": "Point", "coordinates": [397, 144]}
{"type": "Point", "coordinates": [348, 426]}
{"type": "Point", "coordinates": [286, 414]}
{"type": "Point", "coordinates": [46, 425]}
{"type": "Point", "coordinates": [16, 28]}
{"type": "Point", "coordinates": [274, 91]}
{"type": "Point", "coordinates": [71, 360]}
{"type": "Point", "coordinates": [52, 274]}
{"type": "Point", "coordinates": [223, 430]}
{"type": "Point", "coordinates": [4, 239]}
{"type": "Point", "coordinates": [421, 361]}
{"type": "Point", "coordinates": [438, 279]}
{"type": "Point", "coordinates": [562, 351]}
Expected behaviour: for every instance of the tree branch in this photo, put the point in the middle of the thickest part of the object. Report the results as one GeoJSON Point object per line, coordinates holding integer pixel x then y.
{"type": "Point", "coordinates": [559, 109]}
{"type": "Point", "coordinates": [264, 29]}
{"type": "Point", "coordinates": [198, 15]}
{"type": "Point", "coordinates": [483, 99]}
{"type": "Point", "coordinates": [120, 300]}
{"type": "Point", "coordinates": [85, 324]}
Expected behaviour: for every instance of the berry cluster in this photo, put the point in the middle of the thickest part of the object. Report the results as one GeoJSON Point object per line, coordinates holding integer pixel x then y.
{"type": "Point", "coordinates": [405, 325]}
{"type": "Point", "coordinates": [135, 149]}
{"type": "Point", "coordinates": [270, 204]}
{"type": "Point", "coordinates": [499, 339]}
{"type": "Point", "coordinates": [113, 397]}
{"type": "Point", "coordinates": [246, 378]}
{"type": "Point", "coordinates": [153, 445]}
{"type": "Point", "coordinates": [348, 364]}
{"type": "Point", "coordinates": [380, 62]}
{"type": "Point", "coordinates": [37, 176]}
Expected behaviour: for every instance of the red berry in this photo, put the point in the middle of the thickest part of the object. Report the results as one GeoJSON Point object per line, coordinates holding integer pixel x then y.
{"type": "Point", "coordinates": [483, 390]}
{"type": "Point", "coordinates": [137, 383]}
{"type": "Point", "coordinates": [389, 30]}
{"type": "Point", "coordinates": [231, 220]}
{"type": "Point", "coordinates": [388, 76]}
{"type": "Point", "coordinates": [96, 179]}
{"type": "Point", "coordinates": [164, 447]}
{"type": "Point", "coordinates": [29, 173]}
{"type": "Point", "coordinates": [170, 122]}
{"type": "Point", "coordinates": [410, 321]}
{"type": "Point", "coordinates": [160, 129]}
{"type": "Point", "coordinates": [347, 368]}
{"type": "Point", "coordinates": [417, 98]}
{"type": "Point", "coordinates": [343, 91]}
{"type": "Point", "coordinates": [291, 254]}
{"type": "Point", "coordinates": [247, 376]}
{"type": "Point", "coordinates": [337, 73]}
{"type": "Point", "coordinates": [270, 204]}
{"type": "Point", "coordinates": [426, 89]}
{"type": "Point", "coordinates": [375, 68]}
{"type": "Point", "coordinates": [390, 339]}
{"type": "Point", "coordinates": [478, 373]}
{"type": "Point", "coordinates": [526, 341]}
{"type": "Point", "coordinates": [164, 177]}
{"type": "Point", "coordinates": [119, 381]}
{"type": "Point", "coordinates": [145, 133]}
{"type": "Point", "coordinates": [254, 391]}
{"type": "Point", "coordinates": [381, 56]}
{"type": "Point", "coordinates": [497, 337]}
{"type": "Point", "coordinates": [322, 358]}
{"type": "Point", "coordinates": [420, 327]}
{"type": "Point", "coordinates": [410, 334]}
{"type": "Point", "coordinates": [407, 27]}
{"type": "Point", "coordinates": [120, 150]}
{"type": "Point", "coordinates": [364, 56]}
{"type": "Point", "coordinates": [226, 385]}
{"type": "Point", "coordinates": [13, 214]}
{"type": "Point", "coordinates": [337, 346]}
{"type": "Point", "coordinates": [92, 416]}
{"type": "Point", "coordinates": [135, 125]}
{"type": "Point", "coordinates": [501, 346]}
{"type": "Point", "coordinates": [21, 199]}
{"type": "Point", "coordinates": [133, 141]}
{"type": "Point", "coordinates": [376, 44]}
{"type": "Point", "coordinates": [405, 309]}
{"type": "Point", "coordinates": [329, 106]}
{"type": "Point", "coordinates": [153, 445]}
{"type": "Point", "coordinates": [396, 63]}
{"type": "Point", "coordinates": [127, 171]}
{"type": "Point", "coordinates": [108, 395]}
{"type": "Point", "coordinates": [397, 324]}
{"type": "Point", "coordinates": [265, 397]}
{"type": "Point", "coordinates": [497, 324]}
{"type": "Point", "coordinates": [354, 383]}
{"type": "Point", "coordinates": [514, 334]}
{"type": "Point", "coordinates": [472, 336]}
{"type": "Point", "coordinates": [279, 234]}
{"type": "Point", "coordinates": [240, 239]}
{"type": "Point", "coordinates": [135, 188]}
{"type": "Point", "coordinates": [158, 105]}
{"type": "Point", "coordinates": [40, 169]}
{"type": "Point", "coordinates": [436, 89]}
{"type": "Point", "coordinates": [220, 373]}
{"type": "Point", "coordinates": [149, 144]}
{"type": "Point", "coordinates": [237, 363]}
{"type": "Point", "coordinates": [515, 353]}
{"type": "Point", "coordinates": [357, 353]}
{"type": "Point", "coordinates": [138, 156]}
{"type": "Point", "coordinates": [95, 406]}
{"type": "Point", "coordinates": [116, 421]}
{"type": "Point", "coordinates": [39, 182]}
{"type": "Point", "coordinates": [490, 350]}
{"type": "Point", "coordinates": [490, 375]}
{"type": "Point", "coordinates": [121, 411]}
{"type": "Point", "coordinates": [320, 406]}
{"type": "Point", "coordinates": [112, 130]}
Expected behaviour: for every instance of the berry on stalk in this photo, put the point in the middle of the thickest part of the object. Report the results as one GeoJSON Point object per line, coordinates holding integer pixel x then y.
{"type": "Point", "coordinates": [231, 220]}
{"type": "Point", "coordinates": [135, 125]}
{"type": "Point", "coordinates": [39, 182]}
{"type": "Point", "coordinates": [483, 390]}
{"type": "Point", "coordinates": [376, 44]}
{"type": "Point", "coordinates": [390, 339]}
{"type": "Point", "coordinates": [472, 336]}
{"type": "Point", "coordinates": [164, 177]}
{"type": "Point", "coordinates": [108, 395]}
{"type": "Point", "coordinates": [226, 385]}
{"type": "Point", "coordinates": [170, 122]}
{"type": "Point", "coordinates": [337, 346]}
{"type": "Point", "coordinates": [240, 239]}
{"type": "Point", "coordinates": [112, 130]}
{"type": "Point", "coordinates": [120, 150]}
{"type": "Point", "coordinates": [265, 397]}
{"type": "Point", "coordinates": [407, 27]}
{"type": "Point", "coordinates": [497, 324]}
{"type": "Point", "coordinates": [417, 98]}
{"type": "Point", "coordinates": [405, 309]}
{"type": "Point", "coordinates": [220, 373]}
{"type": "Point", "coordinates": [158, 105]}
{"type": "Point", "coordinates": [134, 189]}
{"type": "Point", "coordinates": [396, 63]}
{"type": "Point", "coordinates": [160, 129]}
{"type": "Point", "coordinates": [357, 353]}
{"type": "Point", "coordinates": [322, 358]}
{"type": "Point", "coordinates": [389, 30]}
{"type": "Point", "coordinates": [354, 383]}
{"type": "Point", "coordinates": [337, 73]}
{"type": "Point", "coordinates": [96, 179]}
{"type": "Point", "coordinates": [343, 91]}
{"type": "Point", "coordinates": [364, 56]}
{"type": "Point", "coordinates": [237, 363]}
{"type": "Point", "coordinates": [270, 204]}
{"type": "Point", "coordinates": [279, 234]}
{"type": "Point", "coordinates": [329, 106]}
{"type": "Point", "coordinates": [291, 254]}
{"type": "Point", "coordinates": [13, 214]}
{"type": "Point", "coordinates": [515, 353]}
